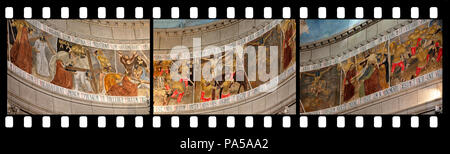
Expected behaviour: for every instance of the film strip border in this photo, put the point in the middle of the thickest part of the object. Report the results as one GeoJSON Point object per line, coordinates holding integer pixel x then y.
{"type": "Point", "coordinates": [231, 121]}
{"type": "Point", "coordinates": [224, 121]}
{"type": "Point", "coordinates": [225, 12]}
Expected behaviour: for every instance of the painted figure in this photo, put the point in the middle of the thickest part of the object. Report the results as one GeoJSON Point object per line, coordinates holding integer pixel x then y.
{"type": "Point", "coordinates": [318, 86]}
{"type": "Point", "coordinates": [422, 49]}
{"type": "Point", "coordinates": [126, 88]}
{"type": "Point", "coordinates": [288, 42]}
{"type": "Point", "coordinates": [105, 69]}
{"type": "Point", "coordinates": [383, 64]}
{"type": "Point", "coordinates": [176, 89]}
{"type": "Point", "coordinates": [429, 49]}
{"type": "Point", "coordinates": [369, 77]}
{"type": "Point", "coordinates": [111, 79]}
{"type": "Point", "coordinates": [207, 91]}
{"type": "Point", "coordinates": [398, 58]}
{"type": "Point", "coordinates": [104, 62]}
{"type": "Point", "coordinates": [80, 65]}
{"type": "Point", "coordinates": [225, 87]}
{"type": "Point", "coordinates": [21, 54]}
{"type": "Point", "coordinates": [161, 74]}
{"type": "Point", "coordinates": [128, 63]}
{"type": "Point", "coordinates": [141, 69]}
{"type": "Point", "coordinates": [41, 59]}
{"type": "Point", "coordinates": [318, 89]}
{"type": "Point", "coordinates": [62, 77]}
{"type": "Point", "coordinates": [60, 55]}
{"type": "Point", "coordinates": [349, 70]}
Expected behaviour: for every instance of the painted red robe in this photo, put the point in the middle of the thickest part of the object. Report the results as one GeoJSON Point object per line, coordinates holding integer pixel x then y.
{"type": "Point", "coordinates": [21, 54]}
{"type": "Point", "coordinates": [287, 49]}
{"type": "Point", "coordinates": [126, 89]}
{"type": "Point", "coordinates": [62, 77]}
{"type": "Point", "coordinates": [349, 88]}
{"type": "Point", "coordinates": [372, 84]}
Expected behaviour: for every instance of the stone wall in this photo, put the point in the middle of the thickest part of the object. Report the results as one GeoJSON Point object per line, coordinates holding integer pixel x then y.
{"type": "Point", "coordinates": [217, 33]}
{"type": "Point", "coordinates": [36, 100]}
{"type": "Point", "coordinates": [110, 31]}
{"type": "Point", "coordinates": [413, 101]}
{"type": "Point", "coordinates": [265, 103]}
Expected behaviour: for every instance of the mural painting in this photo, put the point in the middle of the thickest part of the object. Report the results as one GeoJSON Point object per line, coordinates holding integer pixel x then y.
{"type": "Point", "coordinates": [348, 84]}
{"type": "Point", "coordinates": [216, 89]}
{"type": "Point", "coordinates": [404, 57]}
{"type": "Point", "coordinates": [372, 71]}
{"type": "Point", "coordinates": [169, 92]}
{"type": "Point", "coordinates": [288, 27]}
{"type": "Point", "coordinates": [77, 67]}
{"type": "Point", "coordinates": [318, 88]}
{"type": "Point", "coordinates": [187, 91]}
{"type": "Point", "coordinates": [416, 52]}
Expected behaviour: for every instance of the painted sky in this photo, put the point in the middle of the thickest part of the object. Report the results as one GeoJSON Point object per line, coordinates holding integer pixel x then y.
{"type": "Point", "coordinates": [179, 23]}
{"type": "Point", "coordinates": [318, 29]}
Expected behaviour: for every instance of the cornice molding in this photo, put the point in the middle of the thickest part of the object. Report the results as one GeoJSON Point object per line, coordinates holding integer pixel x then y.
{"type": "Point", "coordinates": [219, 43]}
{"type": "Point", "coordinates": [113, 23]}
{"type": "Point", "coordinates": [193, 30]}
{"type": "Point", "coordinates": [338, 37]}
{"type": "Point", "coordinates": [107, 24]}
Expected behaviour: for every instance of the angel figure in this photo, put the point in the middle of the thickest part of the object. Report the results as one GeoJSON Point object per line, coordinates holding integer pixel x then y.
{"type": "Point", "coordinates": [398, 58]}
{"type": "Point", "coordinates": [318, 86]}
{"type": "Point", "coordinates": [128, 62]}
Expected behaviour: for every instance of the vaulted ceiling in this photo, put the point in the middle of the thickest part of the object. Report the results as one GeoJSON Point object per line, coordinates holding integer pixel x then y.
{"type": "Point", "coordinates": [179, 23]}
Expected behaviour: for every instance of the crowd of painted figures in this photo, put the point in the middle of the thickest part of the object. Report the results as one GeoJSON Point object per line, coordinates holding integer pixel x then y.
{"type": "Point", "coordinates": [186, 91]}
{"type": "Point", "coordinates": [402, 58]}
{"type": "Point", "coordinates": [77, 67]}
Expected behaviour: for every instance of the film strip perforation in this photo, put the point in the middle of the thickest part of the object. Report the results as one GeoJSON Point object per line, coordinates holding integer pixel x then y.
{"type": "Point", "coordinates": [249, 122]}
{"type": "Point", "coordinates": [193, 121]}
{"type": "Point", "coordinates": [176, 12]}
{"type": "Point", "coordinates": [230, 122]}
{"type": "Point", "coordinates": [212, 122]}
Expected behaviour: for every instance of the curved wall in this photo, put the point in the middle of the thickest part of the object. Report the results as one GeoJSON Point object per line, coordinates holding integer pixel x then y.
{"type": "Point", "coordinates": [37, 100]}
{"type": "Point", "coordinates": [276, 101]}
{"type": "Point", "coordinates": [411, 91]}
{"type": "Point", "coordinates": [219, 33]}
{"type": "Point", "coordinates": [111, 31]}
{"type": "Point", "coordinates": [35, 94]}
{"type": "Point", "coordinates": [180, 23]}
{"type": "Point", "coordinates": [332, 49]}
